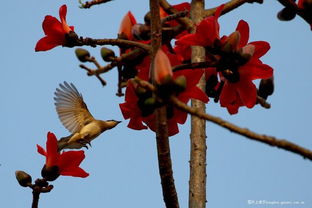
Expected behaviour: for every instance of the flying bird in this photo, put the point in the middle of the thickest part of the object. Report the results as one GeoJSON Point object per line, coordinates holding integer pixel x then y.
{"type": "Point", "coordinates": [76, 118]}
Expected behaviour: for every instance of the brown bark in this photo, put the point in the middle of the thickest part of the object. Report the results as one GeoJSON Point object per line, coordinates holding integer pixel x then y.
{"type": "Point", "coordinates": [197, 183]}
{"type": "Point", "coordinates": [162, 139]}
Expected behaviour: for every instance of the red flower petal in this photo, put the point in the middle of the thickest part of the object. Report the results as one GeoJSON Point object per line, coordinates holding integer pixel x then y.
{"type": "Point", "coordinates": [52, 153]}
{"type": "Point", "coordinates": [172, 127]}
{"type": "Point", "coordinates": [75, 172]}
{"type": "Point", "coordinates": [243, 29]}
{"type": "Point", "coordinates": [228, 94]}
{"type": "Point", "coordinates": [41, 151]}
{"type": "Point", "coordinates": [63, 12]}
{"type": "Point", "coordinates": [52, 26]}
{"type": "Point", "coordinates": [254, 69]}
{"type": "Point", "coordinates": [70, 159]}
{"type": "Point", "coordinates": [136, 124]}
{"type": "Point", "coordinates": [47, 43]}
{"type": "Point", "coordinates": [261, 48]}
{"type": "Point", "coordinates": [247, 92]}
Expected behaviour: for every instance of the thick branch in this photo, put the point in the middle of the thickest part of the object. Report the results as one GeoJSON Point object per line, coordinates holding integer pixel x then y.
{"type": "Point", "coordinates": [229, 6]}
{"type": "Point", "coordinates": [162, 139]}
{"type": "Point", "coordinates": [270, 140]}
{"type": "Point", "coordinates": [197, 183]}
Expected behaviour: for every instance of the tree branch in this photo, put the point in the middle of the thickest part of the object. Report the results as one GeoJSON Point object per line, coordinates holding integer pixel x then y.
{"type": "Point", "coordinates": [229, 6]}
{"type": "Point", "coordinates": [162, 139]}
{"type": "Point", "coordinates": [270, 140]}
{"type": "Point", "coordinates": [119, 42]}
{"type": "Point", "coordinates": [197, 182]}
{"type": "Point", "coordinates": [89, 4]}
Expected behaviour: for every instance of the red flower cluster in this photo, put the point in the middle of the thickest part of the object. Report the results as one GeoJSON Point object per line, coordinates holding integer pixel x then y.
{"type": "Point", "coordinates": [65, 163]}
{"type": "Point", "coordinates": [132, 109]}
{"type": "Point", "coordinates": [54, 31]}
{"type": "Point", "coordinates": [240, 65]}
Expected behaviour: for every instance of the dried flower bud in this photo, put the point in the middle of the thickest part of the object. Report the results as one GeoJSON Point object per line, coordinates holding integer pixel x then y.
{"type": "Point", "coordinates": [23, 178]}
{"type": "Point", "coordinates": [266, 87]}
{"type": "Point", "coordinates": [107, 54]}
{"type": "Point", "coordinates": [82, 54]}
{"type": "Point", "coordinates": [286, 14]}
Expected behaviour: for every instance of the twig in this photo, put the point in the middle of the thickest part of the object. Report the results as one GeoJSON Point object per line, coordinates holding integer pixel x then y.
{"type": "Point", "coordinates": [197, 65]}
{"type": "Point", "coordinates": [89, 4]}
{"type": "Point", "coordinates": [263, 102]}
{"type": "Point", "coordinates": [93, 72]}
{"type": "Point", "coordinates": [162, 139]}
{"type": "Point", "coordinates": [231, 5]}
{"type": "Point", "coordinates": [270, 140]}
{"type": "Point", "coordinates": [119, 42]}
{"type": "Point", "coordinates": [174, 16]}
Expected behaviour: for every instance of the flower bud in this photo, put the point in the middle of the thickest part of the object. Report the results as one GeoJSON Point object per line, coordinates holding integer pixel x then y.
{"type": "Point", "coordinates": [286, 14]}
{"type": "Point", "coordinates": [50, 173]}
{"type": "Point", "coordinates": [232, 42]}
{"type": "Point", "coordinates": [180, 84]}
{"type": "Point", "coordinates": [266, 87]}
{"type": "Point", "coordinates": [82, 54]}
{"type": "Point", "coordinates": [107, 54]}
{"type": "Point", "coordinates": [23, 178]}
{"type": "Point", "coordinates": [162, 68]}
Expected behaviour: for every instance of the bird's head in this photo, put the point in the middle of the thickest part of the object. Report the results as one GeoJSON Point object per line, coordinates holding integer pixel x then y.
{"type": "Point", "coordinates": [109, 124]}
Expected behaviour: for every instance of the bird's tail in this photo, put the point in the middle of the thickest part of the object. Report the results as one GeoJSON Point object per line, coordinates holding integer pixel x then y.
{"type": "Point", "coordinates": [63, 143]}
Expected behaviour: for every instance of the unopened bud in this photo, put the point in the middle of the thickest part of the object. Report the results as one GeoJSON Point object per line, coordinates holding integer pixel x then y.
{"type": "Point", "coordinates": [107, 54]}
{"type": "Point", "coordinates": [286, 14]}
{"type": "Point", "coordinates": [180, 83]}
{"type": "Point", "coordinates": [266, 87]}
{"type": "Point", "coordinates": [150, 101]}
{"type": "Point", "coordinates": [50, 173]}
{"type": "Point", "coordinates": [231, 43]}
{"type": "Point", "coordinates": [162, 68]}
{"type": "Point", "coordinates": [23, 178]}
{"type": "Point", "coordinates": [82, 54]}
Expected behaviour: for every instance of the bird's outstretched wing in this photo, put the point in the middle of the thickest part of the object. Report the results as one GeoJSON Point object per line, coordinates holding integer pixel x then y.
{"type": "Point", "coordinates": [70, 107]}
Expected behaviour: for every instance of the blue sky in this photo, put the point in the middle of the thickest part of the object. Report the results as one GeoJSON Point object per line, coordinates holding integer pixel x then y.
{"type": "Point", "coordinates": [122, 162]}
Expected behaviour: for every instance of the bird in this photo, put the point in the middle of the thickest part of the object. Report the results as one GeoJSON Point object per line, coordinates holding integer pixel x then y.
{"type": "Point", "coordinates": [76, 118]}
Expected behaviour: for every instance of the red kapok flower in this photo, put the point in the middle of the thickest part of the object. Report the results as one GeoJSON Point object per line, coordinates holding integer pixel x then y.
{"type": "Point", "coordinates": [132, 107]}
{"type": "Point", "coordinates": [65, 163]}
{"type": "Point", "coordinates": [206, 32]}
{"type": "Point", "coordinates": [54, 31]}
{"type": "Point", "coordinates": [240, 90]}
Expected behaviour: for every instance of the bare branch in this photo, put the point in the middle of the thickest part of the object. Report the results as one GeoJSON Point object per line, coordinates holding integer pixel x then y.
{"type": "Point", "coordinates": [270, 140]}
{"type": "Point", "coordinates": [231, 5]}
{"type": "Point", "coordinates": [89, 4]}
{"type": "Point", "coordinates": [162, 138]}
